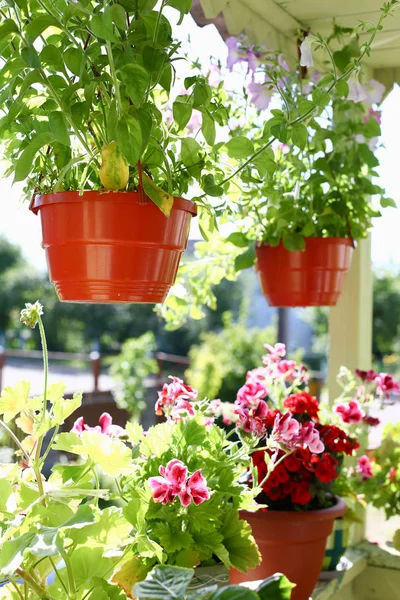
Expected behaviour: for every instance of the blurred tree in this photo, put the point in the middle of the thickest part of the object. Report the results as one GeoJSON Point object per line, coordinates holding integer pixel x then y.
{"type": "Point", "coordinates": [386, 315]}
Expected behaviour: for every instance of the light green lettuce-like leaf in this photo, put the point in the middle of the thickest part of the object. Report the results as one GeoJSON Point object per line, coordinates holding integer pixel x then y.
{"type": "Point", "coordinates": [7, 499]}
{"type": "Point", "coordinates": [110, 454]}
{"type": "Point", "coordinates": [242, 548]}
{"type": "Point", "coordinates": [234, 592]}
{"type": "Point", "coordinates": [68, 442]}
{"type": "Point", "coordinates": [157, 441]}
{"type": "Point", "coordinates": [148, 548]}
{"type": "Point", "coordinates": [135, 510]}
{"type": "Point", "coordinates": [107, 532]}
{"type": "Point", "coordinates": [63, 408]}
{"type": "Point", "coordinates": [172, 538]}
{"type": "Point", "coordinates": [239, 147]}
{"type": "Point", "coordinates": [14, 399]}
{"type": "Point", "coordinates": [135, 432]}
{"type": "Point", "coordinates": [86, 563]}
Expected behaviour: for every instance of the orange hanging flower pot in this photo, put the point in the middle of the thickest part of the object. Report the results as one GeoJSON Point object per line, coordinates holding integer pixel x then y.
{"type": "Point", "coordinates": [112, 247]}
{"type": "Point", "coordinates": [311, 277]}
{"type": "Point", "coordinates": [292, 543]}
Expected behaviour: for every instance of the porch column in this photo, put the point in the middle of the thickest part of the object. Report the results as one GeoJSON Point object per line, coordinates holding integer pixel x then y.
{"type": "Point", "coordinates": [350, 321]}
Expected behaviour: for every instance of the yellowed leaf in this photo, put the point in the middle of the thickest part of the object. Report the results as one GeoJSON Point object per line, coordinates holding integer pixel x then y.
{"type": "Point", "coordinates": [14, 399]}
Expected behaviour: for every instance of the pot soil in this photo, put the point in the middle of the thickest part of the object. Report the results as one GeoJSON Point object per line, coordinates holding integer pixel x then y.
{"type": "Point", "coordinates": [313, 277]}
{"type": "Point", "coordinates": [292, 543]}
{"type": "Point", "coordinates": [112, 247]}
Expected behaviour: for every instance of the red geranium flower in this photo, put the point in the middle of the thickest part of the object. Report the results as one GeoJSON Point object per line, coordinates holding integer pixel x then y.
{"type": "Point", "coordinates": [325, 468]}
{"type": "Point", "coordinates": [301, 493]}
{"type": "Point", "coordinates": [302, 403]}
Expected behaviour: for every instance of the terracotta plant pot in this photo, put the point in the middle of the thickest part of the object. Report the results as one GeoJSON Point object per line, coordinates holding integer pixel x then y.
{"type": "Point", "coordinates": [292, 543]}
{"type": "Point", "coordinates": [313, 277]}
{"type": "Point", "coordinates": [111, 247]}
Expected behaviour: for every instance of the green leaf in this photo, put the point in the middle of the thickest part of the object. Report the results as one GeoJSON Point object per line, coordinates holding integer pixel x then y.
{"type": "Point", "coordinates": [299, 135]}
{"type": "Point", "coordinates": [294, 241]}
{"type": "Point", "coordinates": [51, 56]}
{"type": "Point", "coordinates": [247, 259]}
{"type": "Point", "coordinates": [74, 60]}
{"type": "Point", "coordinates": [208, 127]}
{"type": "Point", "coordinates": [66, 407]}
{"type": "Point", "coordinates": [12, 553]}
{"type": "Point", "coordinates": [101, 27]}
{"type": "Point", "coordinates": [38, 25]}
{"type": "Point", "coordinates": [265, 163]}
{"type": "Point", "coordinates": [6, 491]}
{"type": "Point", "coordinates": [8, 27]}
{"type": "Point", "coordinates": [202, 95]}
{"type": "Point", "coordinates": [25, 161]}
{"type": "Point", "coordinates": [160, 197]}
{"type": "Point", "coordinates": [146, 6]}
{"type": "Point", "coordinates": [238, 239]}
{"type": "Point", "coordinates": [58, 127]}
{"type": "Point", "coordinates": [112, 121]}
{"type": "Point", "coordinates": [182, 112]}
{"type": "Point", "coordinates": [280, 132]}
{"type": "Point", "coordinates": [157, 440]}
{"type": "Point", "coordinates": [86, 563]}
{"type": "Point", "coordinates": [136, 80]}
{"type": "Point", "coordinates": [239, 147]}
{"type": "Point", "coordinates": [118, 16]}
{"type": "Point", "coordinates": [67, 442]}
{"type": "Point", "coordinates": [164, 582]}
{"type": "Point", "coordinates": [183, 6]}
{"type": "Point", "coordinates": [342, 88]}
{"type": "Point", "coordinates": [211, 188]}
{"type": "Point", "coordinates": [276, 587]}
{"type": "Point", "coordinates": [129, 138]}
{"type": "Point", "coordinates": [193, 433]}
{"type": "Point", "coordinates": [385, 202]}
{"type": "Point", "coordinates": [243, 551]}
{"type": "Point", "coordinates": [342, 59]}
{"type": "Point", "coordinates": [14, 399]}
{"type": "Point", "coordinates": [31, 57]}
{"type": "Point", "coordinates": [190, 152]}
{"type": "Point", "coordinates": [371, 128]}
{"type": "Point", "coordinates": [154, 59]}
{"type": "Point", "coordinates": [234, 592]}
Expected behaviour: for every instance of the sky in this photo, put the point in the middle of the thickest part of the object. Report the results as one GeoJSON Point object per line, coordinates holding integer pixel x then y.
{"type": "Point", "coordinates": [20, 226]}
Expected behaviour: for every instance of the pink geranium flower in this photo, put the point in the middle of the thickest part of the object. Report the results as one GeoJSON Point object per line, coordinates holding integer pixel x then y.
{"type": "Point", "coordinates": [350, 412]}
{"type": "Point", "coordinates": [286, 429]}
{"type": "Point", "coordinates": [309, 436]}
{"type": "Point", "coordinates": [251, 420]}
{"type": "Point", "coordinates": [386, 385]}
{"type": "Point", "coordinates": [172, 392]}
{"type": "Point", "coordinates": [367, 376]}
{"type": "Point", "coordinates": [105, 426]}
{"type": "Point", "coordinates": [174, 481]}
{"type": "Point", "coordinates": [364, 467]}
{"type": "Point", "coordinates": [251, 393]}
{"type": "Point", "coordinates": [276, 352]}
{"type": "Point", "coordinates": [181, 409]}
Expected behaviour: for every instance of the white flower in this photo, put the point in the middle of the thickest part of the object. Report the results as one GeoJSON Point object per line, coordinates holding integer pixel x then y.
{"type": "Point", "coordinates": [357, 92]}
{"type": "Point", "coordinates": [374, 90]}
{"type": "Point", "coordinates": [306, 59]}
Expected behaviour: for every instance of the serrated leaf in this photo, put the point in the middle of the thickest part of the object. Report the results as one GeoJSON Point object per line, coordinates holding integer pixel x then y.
{"type": "Point", "coordinates": [135, 432]}
{"type": "Point", "coordinates": [66, 407]}
{"type": "Point", "coordinates": [14, 399]}
{"type": "Point", "coordinates": [243, 551]}
{"type": "Point", "coordinates": [160, 197]}
{"type": "Point", "coordinates": [239, 147]}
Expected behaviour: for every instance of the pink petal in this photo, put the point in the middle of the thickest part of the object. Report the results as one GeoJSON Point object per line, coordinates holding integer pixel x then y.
{"type": "Point", "coordinates": [79, 426]}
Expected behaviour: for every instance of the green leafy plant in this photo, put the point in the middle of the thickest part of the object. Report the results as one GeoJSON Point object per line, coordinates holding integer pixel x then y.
{"type": "Point", "coordinates": [175, 495]}
{"type": "Point", "coordinates": [83, 85]}
{"type": "Point", "coordinates": [238, 349]}
{"type": "Point", "coordinates": [165, 583]}
{"type": "Point", "coordinates": [130, 369]}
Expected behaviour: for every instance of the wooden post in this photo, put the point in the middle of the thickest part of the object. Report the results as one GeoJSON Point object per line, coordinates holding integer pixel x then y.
{"type": "Point", "coordinates": [96, 367]}
{"type": "Point", "coordinates": [350, 321]}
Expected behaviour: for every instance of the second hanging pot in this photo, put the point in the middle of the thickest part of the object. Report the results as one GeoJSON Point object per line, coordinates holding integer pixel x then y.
{"type": "Point", "coordinates": [112, 247]}
{"type": "Point", "coordinates": [311, 277]}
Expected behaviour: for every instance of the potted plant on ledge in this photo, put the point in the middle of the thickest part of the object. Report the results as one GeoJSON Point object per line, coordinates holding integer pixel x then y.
{"type": "Point", "coordinates": [83, 86]}
{"type": "Point", "coordinates": [294, 479]}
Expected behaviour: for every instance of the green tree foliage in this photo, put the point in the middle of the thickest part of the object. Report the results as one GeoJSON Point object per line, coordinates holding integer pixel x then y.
{"type": "Point", "coordinates": [220, 362]}
{"type": "Point", "coordinates": [130, 369]}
